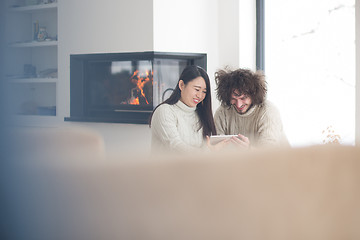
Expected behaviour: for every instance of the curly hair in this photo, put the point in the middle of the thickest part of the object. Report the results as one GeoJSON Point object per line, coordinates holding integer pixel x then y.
{"type": "Point", "coordinates": [247, 82]}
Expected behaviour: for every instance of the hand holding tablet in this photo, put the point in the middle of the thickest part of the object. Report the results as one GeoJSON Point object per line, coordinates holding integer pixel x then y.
{"type": "Point", "coordinates": [218, 142]}
{"type": "Point", "coordinates": [218, 138]}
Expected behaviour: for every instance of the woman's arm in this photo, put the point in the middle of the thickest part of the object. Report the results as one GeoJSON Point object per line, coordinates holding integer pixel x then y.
{"type": "Point", "coordinates": [165, 130]}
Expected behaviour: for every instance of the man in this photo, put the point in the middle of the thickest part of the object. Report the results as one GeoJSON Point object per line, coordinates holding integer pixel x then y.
{"type": "Point", "coordinates": [244, 110]}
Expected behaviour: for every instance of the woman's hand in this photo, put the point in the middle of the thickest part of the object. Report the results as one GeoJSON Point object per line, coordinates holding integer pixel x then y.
{"type": "Point", "coordinates": [218, 146]}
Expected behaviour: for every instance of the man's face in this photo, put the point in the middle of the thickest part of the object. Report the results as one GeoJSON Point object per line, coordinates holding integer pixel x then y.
{"type": "Point", "coordinates": [242, 103]}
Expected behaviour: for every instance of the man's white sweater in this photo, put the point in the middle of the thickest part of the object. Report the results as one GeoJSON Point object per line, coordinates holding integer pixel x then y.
{"type": "Point", "coordinates": [261, 124]}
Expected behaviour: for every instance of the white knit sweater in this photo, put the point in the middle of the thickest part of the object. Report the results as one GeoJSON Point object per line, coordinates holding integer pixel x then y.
{"type": "Point", "coordinates": [176, 127]}
{"type": "Point", "coordinates": [261, 124]}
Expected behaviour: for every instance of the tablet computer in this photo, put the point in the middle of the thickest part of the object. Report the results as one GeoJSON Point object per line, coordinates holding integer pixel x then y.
{"type": "Point", "coordinates": [218, 138]}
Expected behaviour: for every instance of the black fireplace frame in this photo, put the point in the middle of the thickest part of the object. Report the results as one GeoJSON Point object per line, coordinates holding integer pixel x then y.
{"type": "Point", "coordinates": [78, 103]}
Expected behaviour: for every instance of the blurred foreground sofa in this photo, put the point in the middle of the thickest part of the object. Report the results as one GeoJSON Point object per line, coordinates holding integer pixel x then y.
{"type": "Point", "coordinates": [300, 193]}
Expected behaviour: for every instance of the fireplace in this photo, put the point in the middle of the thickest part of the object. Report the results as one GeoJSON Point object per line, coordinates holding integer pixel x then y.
{"type": "Point", "coordinates": [124, 87]}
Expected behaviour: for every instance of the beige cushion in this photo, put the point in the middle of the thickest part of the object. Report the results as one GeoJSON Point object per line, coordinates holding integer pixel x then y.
{"type": "Point", "coordinates": [305, 193]}
{"type": "Point", "coordinates": [58, 142]}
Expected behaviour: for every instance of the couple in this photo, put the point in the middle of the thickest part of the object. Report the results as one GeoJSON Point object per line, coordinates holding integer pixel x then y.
{"type": "Point", "coordinates": [185, 121]}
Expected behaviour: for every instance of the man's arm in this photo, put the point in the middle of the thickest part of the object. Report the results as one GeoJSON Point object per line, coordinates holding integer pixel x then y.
{"type": "Point", "coordinates": [271, 130]}
{"type": "Point", "coordinates": [220, 121]}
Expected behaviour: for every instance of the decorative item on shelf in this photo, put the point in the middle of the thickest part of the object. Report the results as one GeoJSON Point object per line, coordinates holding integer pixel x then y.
{"type": "Point", "coordinates": [31, 2]}
{"type": "Point", "coordinates": [36, 29]}
{"type": "Point", "coordinates": [17, 3]}
{"type": "Point", "coordinates": [47, 1]}
{"type": "Point", "coordinates": [29, 71]}
{"type": "Point", "coordinates": [42, 35]}
{"type": "Point", "coordinates": [48, 73]}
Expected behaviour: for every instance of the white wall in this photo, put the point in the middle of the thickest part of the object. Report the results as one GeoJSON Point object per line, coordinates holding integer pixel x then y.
{"type": "Point", "coordinates": [93, 26]}
{"type": "Point", "coordinates": [247, 34]}
{"type": "Point", "coordinates": [228, 33]}
{"type": "Point", "coordinates": [189, 26]}
{"type": "Point", "coordinates": [237, 34]}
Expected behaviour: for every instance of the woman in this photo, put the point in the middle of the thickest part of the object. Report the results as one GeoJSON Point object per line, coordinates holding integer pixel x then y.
{"type": "Point", "coordinates": [183, 121]}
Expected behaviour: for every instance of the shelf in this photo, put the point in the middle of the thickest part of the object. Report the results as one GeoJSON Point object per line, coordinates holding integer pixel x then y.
{"type": "Point", "coordinates": [34, 8]}
{"type": "Point", "coordinates": [35, 44]}
{"type": "Point", "coordinates": [32, 80]}
{"type": "Point", "coordinates": [33, 120]}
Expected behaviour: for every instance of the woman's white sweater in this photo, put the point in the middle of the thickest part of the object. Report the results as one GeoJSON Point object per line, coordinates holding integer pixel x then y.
{"type": "Point", "coordinates": [176, 127]}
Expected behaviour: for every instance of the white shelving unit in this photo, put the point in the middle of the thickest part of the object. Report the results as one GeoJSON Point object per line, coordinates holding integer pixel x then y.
{"type": "Point", "coordinates": [32, 63]}
{"type": "Point", "coordinates": [34, 44]}
{"type": "Point", "coordinates": [34, 8]}
{"type": "Point", "coordinates": [33, 80]}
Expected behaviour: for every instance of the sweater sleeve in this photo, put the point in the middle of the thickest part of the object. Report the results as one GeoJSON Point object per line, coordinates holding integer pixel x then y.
{"type": "Point", "coordinates": [220, 121]}
{"type": "Point", "coordinates": [165, 132]}
{"type": "Point", "coordinates": [270, 128]}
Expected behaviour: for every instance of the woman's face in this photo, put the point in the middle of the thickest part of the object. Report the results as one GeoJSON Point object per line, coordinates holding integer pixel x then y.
{"type": "Point", "coordinates": [193, 92]}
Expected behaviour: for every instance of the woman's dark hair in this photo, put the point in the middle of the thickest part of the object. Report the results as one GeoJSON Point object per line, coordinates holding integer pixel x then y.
{"type": "Point", "coordinates": [203, 109]}
{"type": "Point", "coordinates": [250, 83]}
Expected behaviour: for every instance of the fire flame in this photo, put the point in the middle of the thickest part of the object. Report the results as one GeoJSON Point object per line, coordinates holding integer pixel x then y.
{"type": "Point", "coordinates": [140, 83]}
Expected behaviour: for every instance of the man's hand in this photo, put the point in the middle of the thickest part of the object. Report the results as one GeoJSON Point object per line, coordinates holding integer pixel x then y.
{"type": "Point", "coordinates": [241, 141]}
{"type": "Point", "coordinates": [218, 146]}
